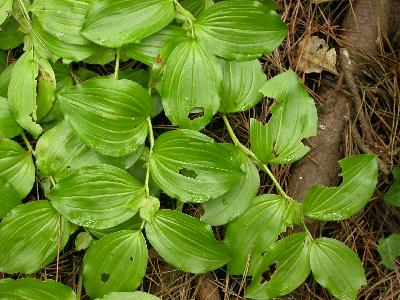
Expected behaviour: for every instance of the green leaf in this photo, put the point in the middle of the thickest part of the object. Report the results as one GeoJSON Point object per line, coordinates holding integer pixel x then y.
{"type": "Point", "coordinates": [5, 78]}
{"type": "Point", "coordinates": [115, 263]}
{"type": "Point", "coordinates": [97, 196]}
{"type": "Point", "coordinates": [239, 30]}
{"type": "Point", "coordinates": [10, 36]}
{"type": "Point", "coordinates": [83, 241]}
{"type": "Point", "coordinates": [294, 117]}
{"type": "Point", "coordinates": [254, 231]}
{"type": "Point", "coordinates": [392, 196]}
{"type": "Point", "coordinates": [29, 237]}
{"type": "Point", "coordinates": [232, 204]}
{"type": "Point", "coordinates": [5, 8]}
{"type": "Point", "coordinates": [63, 19]}
{"type": "Point", "coordinates": [113, 23]}
{"type": "Point", "coordinates": [149, 48]}
{"type": "Point", "coordinates": [186, 104]}
{"type": "Point", "coordinates": [107, 114]}
{"type": "Point", "coordinates": [139, 76]}
{"type": "Point", "coordinates": [46, 89]}
{"type": "Point", "coordinates": [195, 7]}
{"type": "Point", "coordinates": [34, 289]}
{"type": "Point", "coordinates": [9, 197]}
{"type": "Point", "coordinates": [186, 242]}
{"type": "Point", "coordinates": [337, 268]}
{"type": "Point", "coordinates": [241, 84]}
{"type": "Point", "coordinates": [52, 47]}
{"type": "Point", "coordinates": [360, 175]}
{"type": "Point", "coordinates": [129, 296]}
{"type": "Point", "coordinates": [3, 61]}
{"type": "Point", "coordinates": [291, 256]}
{"type": "Point", "coordinates": [22, 93]}
{"type": "Point", "coordinates": [133, 223]}
{"type": "Point", "coordinates": [59, 152]}
{"type": "Point", "coordinates": [185, 161]}
{"type": "Point", "coordinates": [389, 248]}
{"type": "Point", "coordinates": [101, 57]}
{"type": "Point", "coordinates": [16, 166]}
{"type": "Point", "coordinates": [9, 128]}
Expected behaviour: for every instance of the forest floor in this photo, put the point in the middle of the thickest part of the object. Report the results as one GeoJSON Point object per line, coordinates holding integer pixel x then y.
{"type": "Point", "coordinates": [372, 126]}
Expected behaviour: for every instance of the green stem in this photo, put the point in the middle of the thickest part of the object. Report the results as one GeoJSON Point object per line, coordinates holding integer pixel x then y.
{"type": "Point", "coordinates": [28, 145]}
{"type": "Point", "coordinates": [80, 282]}
{"type": "Point", "coordinates": [24, 10]}
{"type": "Point", "coordinates": [250, 153]}
{"type": "Point", "coordinates": [151, 141]}
{"type": "Point", "coordinates": [189, 17]}
{"type": "Point", "coordinates": [117, 63]}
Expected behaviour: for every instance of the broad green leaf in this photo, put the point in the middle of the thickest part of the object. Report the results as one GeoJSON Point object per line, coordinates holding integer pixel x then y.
{"type": "Point", "coordinates": [129, 296]}
{"type": "Point", "coordinates": [292, 258]}
{"type": "Point", "coordinates": [5, 8]}
{"type": "Point", "coordinates": [115, 263]}
{"type": "Point", "coordinates": [114, 23]}
{"type": "Point", "coordinates": [9, 197]}
{"type": "Point", "coordinates": [63, 19]}
{"type": "Point", "coordinates": [389, 248]}
{"type": "Point", "coordinates": [97, 196]}
{"type": "Point", "coordinates": [107, 114]}
{"type": "Point", "coordinates": [101, 57]}
{"type": "Point", "coordinates": [229, 206]}
{"type": "Point", "coordinates": [29, 237]}
{"type": "Point", "coordinates": [9, 128]}
{"type": "Point", "coordinates": [46, 89]}
{"type": "Point", "coordinates": [83, 241]}
{"type": "Point", "coordinates": [184, 162]}
{"type": "Point", "coordinates": [139, 76]}
{"type": "Point", "coordinates": [254, 231]}
{"type": "Point", "coordinates": [186, 104]}
{"type": "Point", "coordinates": [149, 49]}
{"type": "Point", "coordinates": [241, 85]}
{"type": "Point", "coordinates": [52, 47]}
{"type": "Point", "coordinates": [5, 78]}
{"type": "Point", "coordinates": [239, 30]}
{"type": "Point", "coordinates": [22, 93]}
{"type": "Point", "coordinates": [34, 289]}
{"type": "Point", "coordinates": [360, 175]}
{"type": "Point", "coordinates": [3, 61]}
{"type": "Point", "coordinates": [16, 166]}
{"type": "Point", "coordinates": [337, 268]}
{"type": "Point", "coordinates": [59, 152]}
{"type": "Point", "coordinates": [10, 36]}
{"type": "Point", "coordinates": [186, 242]}
{"type": "Point", "coordinates": [392, 196]}
{"type": "Point", "coordinates": [133, 223]}
{"type": "Point", "coordinates": [294, 117]}
{"type": "Point", "coordinates": [195, 7]}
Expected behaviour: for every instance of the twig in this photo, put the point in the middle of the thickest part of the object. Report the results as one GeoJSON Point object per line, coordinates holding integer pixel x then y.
{"type": "Point", "coordinates": [357, 102]}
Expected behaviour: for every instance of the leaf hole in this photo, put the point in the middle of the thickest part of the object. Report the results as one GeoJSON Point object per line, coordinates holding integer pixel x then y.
{"type": "Point", "coordinates": [188, 173]}
{"type": "Point", "coordinates": [268, 273]}
{"type": "Point", "coordinates": [196, 113]}
{"type": "Point", "coordinates": [105, 277]}
{"type": "Point", "coordinates": [131, 258]}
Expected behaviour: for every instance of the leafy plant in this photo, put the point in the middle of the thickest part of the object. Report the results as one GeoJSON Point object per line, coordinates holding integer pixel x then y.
{"type": "Point", "coordinates": [103, 170]}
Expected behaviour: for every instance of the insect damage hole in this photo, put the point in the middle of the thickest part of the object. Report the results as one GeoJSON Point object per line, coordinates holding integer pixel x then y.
{"type": "Point", "coordinates": [105, 277]}
{"type": "Point", "coordinates": [196, 113]}
{"type": "Point", "coordinates": [188, 173]}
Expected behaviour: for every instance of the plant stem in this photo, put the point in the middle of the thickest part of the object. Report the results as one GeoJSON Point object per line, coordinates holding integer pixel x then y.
{"type": "Point", "coordinates": [251, 154]}
{"type": "Point", "coordinates": [28, 145]}
{"type": "Point", "coordinates": [80, 282]}
{"type": "Point", "coordinates": [151, 141]}
{"type": "Point", "coordinates": [189, 17]}
{"type": "Point", "coordinates": [24, 10]}
{"type": "Point", "coordinates": [117, 63]}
